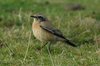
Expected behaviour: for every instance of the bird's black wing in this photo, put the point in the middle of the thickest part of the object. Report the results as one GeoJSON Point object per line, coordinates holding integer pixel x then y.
{"type": "Point", "coordinates": [57, 33]}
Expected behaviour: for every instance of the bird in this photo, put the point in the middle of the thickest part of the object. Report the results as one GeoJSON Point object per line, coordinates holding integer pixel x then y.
{"type": "Point", "coordinates": [44, 31]}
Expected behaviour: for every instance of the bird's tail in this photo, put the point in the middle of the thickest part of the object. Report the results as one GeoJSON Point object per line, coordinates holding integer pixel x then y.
{"type": "Point", "coordinates": [70, 43]}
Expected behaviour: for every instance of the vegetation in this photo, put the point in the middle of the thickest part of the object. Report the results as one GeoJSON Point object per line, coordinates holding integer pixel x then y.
{"type": "Point", "coordinates": [18, 46]}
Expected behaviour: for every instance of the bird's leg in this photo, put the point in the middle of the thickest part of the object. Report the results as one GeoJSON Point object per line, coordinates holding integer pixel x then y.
{"type": "Point", "coordinates": [48, 46]}
{"type": "Point", "coordinates": [42, 46]}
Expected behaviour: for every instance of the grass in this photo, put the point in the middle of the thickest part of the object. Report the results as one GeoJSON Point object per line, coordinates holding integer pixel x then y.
{"type": "Point", "coordinates": [82, 27]}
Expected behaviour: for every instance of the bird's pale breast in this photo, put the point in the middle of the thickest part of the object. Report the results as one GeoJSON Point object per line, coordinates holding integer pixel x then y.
{"type": "Point", "coordinates": [41, 34]}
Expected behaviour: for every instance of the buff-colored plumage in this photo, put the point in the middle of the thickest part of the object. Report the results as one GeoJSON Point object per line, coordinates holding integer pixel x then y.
{"type": "Point", "coordinates": [45, 32]}
{"type": "Point", "coordinates": [41, 34]}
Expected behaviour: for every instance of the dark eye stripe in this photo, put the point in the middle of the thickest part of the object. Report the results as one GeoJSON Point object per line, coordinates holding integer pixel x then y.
{"type": "Point", "coordinates": [41, 18]}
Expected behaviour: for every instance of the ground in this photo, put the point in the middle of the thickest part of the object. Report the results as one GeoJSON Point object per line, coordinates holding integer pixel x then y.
{"type": "Point", "coordinates": [18, 46]}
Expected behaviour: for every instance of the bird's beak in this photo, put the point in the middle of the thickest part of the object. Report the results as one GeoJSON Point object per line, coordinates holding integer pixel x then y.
{"type": "Point", "coordinates": [33, 16]}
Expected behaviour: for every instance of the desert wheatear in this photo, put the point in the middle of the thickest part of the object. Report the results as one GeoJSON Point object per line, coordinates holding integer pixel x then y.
{"type": "Point", "coordinates": [44, 31]}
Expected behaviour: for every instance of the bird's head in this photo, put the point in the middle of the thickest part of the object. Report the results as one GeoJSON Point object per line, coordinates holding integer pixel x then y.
{"type": "Point", "coordinates": [39, 18]}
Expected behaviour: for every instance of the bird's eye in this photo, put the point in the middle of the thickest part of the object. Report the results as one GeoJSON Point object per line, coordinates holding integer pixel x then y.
{"type": "Point", "coordinates": [41, 18]}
